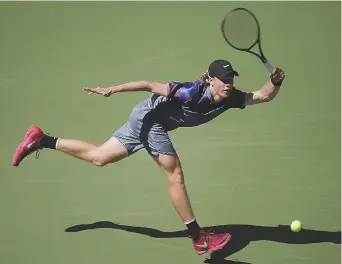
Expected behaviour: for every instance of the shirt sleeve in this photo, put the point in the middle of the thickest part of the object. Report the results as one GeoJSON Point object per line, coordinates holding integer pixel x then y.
{"type": "Point", "coordinates": [236, 99]}
{"type": "Point", "coordinates": [171, 88]}
{"type": "Point", "coordinates": [182, 91]}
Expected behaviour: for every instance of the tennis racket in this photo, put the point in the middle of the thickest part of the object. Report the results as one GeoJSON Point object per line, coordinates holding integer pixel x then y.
{"type": "Point", "coordinates": [241, 30]}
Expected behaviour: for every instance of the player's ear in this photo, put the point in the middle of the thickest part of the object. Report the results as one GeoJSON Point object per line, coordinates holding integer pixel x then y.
{"type": "Point", "coordinates": [211, 80]}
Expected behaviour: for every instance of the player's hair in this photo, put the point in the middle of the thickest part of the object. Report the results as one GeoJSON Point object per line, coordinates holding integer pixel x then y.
{"type": "Point", "coordinates": [204, 78]}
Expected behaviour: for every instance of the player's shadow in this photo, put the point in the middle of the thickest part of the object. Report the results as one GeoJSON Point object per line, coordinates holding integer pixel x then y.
{"type": "Point", "coordinates": [242, 235]}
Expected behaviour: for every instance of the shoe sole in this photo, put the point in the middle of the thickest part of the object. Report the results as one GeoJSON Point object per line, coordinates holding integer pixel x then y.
{"type": "Point", "coordinates": [18, 157]}
{"type": "Point", "coordinates": [202, 252]}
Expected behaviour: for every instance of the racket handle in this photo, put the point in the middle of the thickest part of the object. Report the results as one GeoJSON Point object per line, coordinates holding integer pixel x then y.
{"type": "Point", "coordinates": [268, 66]}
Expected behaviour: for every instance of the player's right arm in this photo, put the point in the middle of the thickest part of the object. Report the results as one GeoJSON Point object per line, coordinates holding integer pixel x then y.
{"type": "Point", "coordinates": [147, 86]}
{"type": "Point", "coordinates": [269, 91]}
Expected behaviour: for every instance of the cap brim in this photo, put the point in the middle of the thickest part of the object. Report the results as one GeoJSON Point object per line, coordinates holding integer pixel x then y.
{"type": "Point", "coordinates": [235, 73]}
{"type": "Point", "coordinates": [229, 75]}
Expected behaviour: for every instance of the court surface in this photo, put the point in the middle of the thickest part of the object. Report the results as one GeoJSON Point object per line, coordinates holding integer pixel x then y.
{"type": "Point", "coordinates": [251, 172]}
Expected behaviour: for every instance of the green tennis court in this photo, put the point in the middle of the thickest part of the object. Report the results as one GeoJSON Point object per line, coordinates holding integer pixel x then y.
{"type": "Point", "coordinates": [249, 172]}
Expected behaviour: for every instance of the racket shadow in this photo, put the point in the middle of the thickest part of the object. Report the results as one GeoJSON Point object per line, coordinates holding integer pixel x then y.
{"type": "Point", "coordinates": [242, 236]}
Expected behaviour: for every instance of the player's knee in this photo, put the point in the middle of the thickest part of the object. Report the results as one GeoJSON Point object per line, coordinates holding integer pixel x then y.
{"type": "Point", "coordinates": [176, 176]}
{"type": "Point", "coordinates": [172, 168]}
{"type": "Point", "coordinates": [110, 152]}
{"type": "Point", "coordinates": [99, 160]}
{"type": "Point", "coordinates": [99, 163]}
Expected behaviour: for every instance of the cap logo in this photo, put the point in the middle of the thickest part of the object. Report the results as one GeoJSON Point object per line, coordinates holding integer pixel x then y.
{"type": "Point", "coordinates": [225, 66]}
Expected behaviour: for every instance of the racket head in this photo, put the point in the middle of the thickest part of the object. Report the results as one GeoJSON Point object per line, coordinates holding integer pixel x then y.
{"type": "Point", "coordinates": [240, 29]}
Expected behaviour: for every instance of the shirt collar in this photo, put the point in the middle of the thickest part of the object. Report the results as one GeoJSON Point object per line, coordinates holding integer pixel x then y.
{"type": "Point", "coordinates": [208, 93]}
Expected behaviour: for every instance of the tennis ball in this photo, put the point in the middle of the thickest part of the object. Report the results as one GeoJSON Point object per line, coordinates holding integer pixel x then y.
{"type": "Point", "coordinates": [296, 226]}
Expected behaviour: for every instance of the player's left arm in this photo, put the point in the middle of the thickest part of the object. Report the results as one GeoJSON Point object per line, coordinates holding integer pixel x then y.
{"type": "Point", "coordinates": [268, 91]}
{"type": "Point", "coordinates": [146, 86]}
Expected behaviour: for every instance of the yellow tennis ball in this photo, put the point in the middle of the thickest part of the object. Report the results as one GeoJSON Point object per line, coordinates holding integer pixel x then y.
{"type": "Point", "coordinates": [296, 226]}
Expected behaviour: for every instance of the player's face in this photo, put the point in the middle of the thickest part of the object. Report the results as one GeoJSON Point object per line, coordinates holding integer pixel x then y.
{"type": "Point", "coordinates": [221, 90]}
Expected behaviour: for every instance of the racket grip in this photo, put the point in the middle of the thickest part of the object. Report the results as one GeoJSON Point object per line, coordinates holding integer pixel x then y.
{"type": "Point", "coordinates": [268, 66]}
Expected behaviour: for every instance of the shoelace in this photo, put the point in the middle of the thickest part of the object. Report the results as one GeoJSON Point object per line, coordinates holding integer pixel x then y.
{"type": "Point", "coordinates": [37, 153]}
{"type": "Point", "coordinates": [38, 150]}
{"type": "Point", "coordinates": [210, 232]}
{"type": "Point", "coordinates": [34, 150]}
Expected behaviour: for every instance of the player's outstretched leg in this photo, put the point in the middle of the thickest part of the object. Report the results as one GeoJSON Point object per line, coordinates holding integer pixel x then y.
{"type": "Point", "coordinates": [35, 139]}
{"type": "Point", "coordinates": [202, 241]}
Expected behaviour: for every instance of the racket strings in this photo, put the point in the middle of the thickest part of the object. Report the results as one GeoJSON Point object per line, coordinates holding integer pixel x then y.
{"type": "Point", "coordinates": [241, 29]}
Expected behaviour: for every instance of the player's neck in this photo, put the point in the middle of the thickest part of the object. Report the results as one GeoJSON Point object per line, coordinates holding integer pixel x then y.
{"type": "Point", "coordinates": [212, 93]}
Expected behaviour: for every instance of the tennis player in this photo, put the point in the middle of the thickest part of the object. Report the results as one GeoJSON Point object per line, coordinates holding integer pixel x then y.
{"type": "Point", "coordinates": [171, 105]}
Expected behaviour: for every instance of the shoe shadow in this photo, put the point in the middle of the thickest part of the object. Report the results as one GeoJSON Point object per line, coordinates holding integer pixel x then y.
{"type": "Point", "coordinates": [242, 235]}
{"type": "Point", "coordinates": [223, 261]}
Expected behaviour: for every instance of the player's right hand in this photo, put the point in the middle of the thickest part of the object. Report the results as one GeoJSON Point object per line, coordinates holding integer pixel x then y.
{"type": "Point", "coordinates": [277, 76]}
{"type": "Point", "coordinates": [101, 91]}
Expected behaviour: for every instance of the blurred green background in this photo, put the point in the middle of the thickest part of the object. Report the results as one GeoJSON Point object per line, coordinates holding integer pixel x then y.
{"type": "Point", "coordinates": [265, 166]}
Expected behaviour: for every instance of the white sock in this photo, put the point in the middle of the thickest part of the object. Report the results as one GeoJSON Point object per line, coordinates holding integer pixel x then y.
{"type": "Point", "coordinates": [57, 143]}
{"type": "Point", "coordinates": [188, 222]}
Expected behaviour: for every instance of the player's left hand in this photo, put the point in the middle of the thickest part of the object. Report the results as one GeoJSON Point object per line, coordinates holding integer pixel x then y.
{"type": "Point", "coordinates": [277, 76]}
{"type": "Point", "coordinates": [101, 91]}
